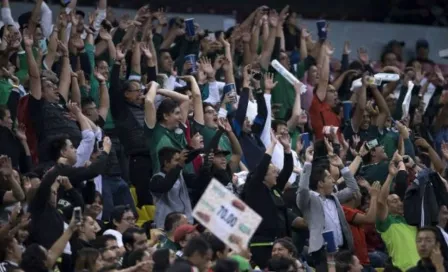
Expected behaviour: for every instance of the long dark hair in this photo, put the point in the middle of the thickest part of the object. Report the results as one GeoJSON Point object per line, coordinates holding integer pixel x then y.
{"type": "Point", "coordinates": [86, 260]}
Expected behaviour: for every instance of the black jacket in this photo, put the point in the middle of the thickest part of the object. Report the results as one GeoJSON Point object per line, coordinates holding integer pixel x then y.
{"type": "Point", "coordinates": [267, 202]}
{"type": "Point", "coordinates": [429, 191]}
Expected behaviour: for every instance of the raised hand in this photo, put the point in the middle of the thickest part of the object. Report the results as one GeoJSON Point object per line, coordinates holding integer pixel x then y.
{"type": "Point", "coordinates": [21, 132]}
{"type": "Point", "coordinates": [421, 142]}
{"type": "Point", "coordinates": [363, 55]}
{"type": "Point", "coordinates": [304, 33]}
{"type": "Point", "coordinates": [99, 76]}
{"type": "Point", "coordinates": [27, 39]}
{"type": "Point", "coordinates": [336, 161]}
{"type": "Point", "coordinates": [284, 14]}
{"type": "Point", "coordinates": [206, 66]}
{"type": "Point", "coordinates": [329, 146]}
{"type": "Point", "coordinates": [119, 53]}
{"type": "Point", "coordinates": [145, 49]}
{"type": "Point", "coordinates": [73, 108]}
{"type": "Point", "coordinates": [105, 35]}
{"type": "Point", "coordinates": [62, 48]}
{"type": "Point", "coordinates": [269, 83]}
{"type": "Point", "coordinates": [285, 141]}
{"type": "Point", "coordinates": [273, 18]}
{"type": "Point", "coordinates": [375, 189]}
{"type": "Point", "coordinates": [347, 49]}
{"type": "Point", "coordinates": [107, 144]}
{"type": "Point", "coordinates": [5, 166]}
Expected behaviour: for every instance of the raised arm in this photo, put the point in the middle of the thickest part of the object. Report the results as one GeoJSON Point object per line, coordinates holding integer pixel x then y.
{"type": "Point", "coordinates": [33, 69]}
{"type": "Point", "coordinates": [385, 189]}
{"type": "Point", "coordinates": [150, 107]}
{"type": "Point", "coordinates": [297, 108]}
{"type": "Point", "coordinates": [268, 48]}
{"type": "Point", "coordinates": [104, 105]}
{"type": "Point", "coordinates": [384, 112]}
{"type": "Point", "coordinates": [237, 151]}
{"type": "Point", "coordinates": [136, 59]}
{"type": "Point", "coordinates": [370, 216]}
{"type": "Point", "coordinates": [34, 20]}
{"type": "Point", "coordinates": [360, 105]}
{"type": "Point", "coordinates": [322, 87]}
{"type": "Point", "coordinates": [288, 163]}
{"type": "Point", "coordinates": [57, 248]}
{"type": "Point", "coordinates": [65, 77]}
{"type": "Point", "coordinates": [303, 192]}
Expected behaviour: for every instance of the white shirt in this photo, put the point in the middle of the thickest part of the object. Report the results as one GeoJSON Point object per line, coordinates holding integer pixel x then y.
{"type": "Point", "coordinates": [444, 234]}
{"type": "Point", "coordinates": [332, 222]}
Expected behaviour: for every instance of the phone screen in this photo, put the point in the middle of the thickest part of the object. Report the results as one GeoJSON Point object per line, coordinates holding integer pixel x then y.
{"type": "Point", "coordinates": [77, 215]}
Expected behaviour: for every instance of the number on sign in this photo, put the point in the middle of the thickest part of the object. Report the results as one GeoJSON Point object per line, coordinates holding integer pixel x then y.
{"type": "Point", "coordinates": [227, 217]}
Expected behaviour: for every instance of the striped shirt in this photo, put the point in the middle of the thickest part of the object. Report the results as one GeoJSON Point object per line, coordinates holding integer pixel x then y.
{"type": "Point", "coordinates": [4, 266]}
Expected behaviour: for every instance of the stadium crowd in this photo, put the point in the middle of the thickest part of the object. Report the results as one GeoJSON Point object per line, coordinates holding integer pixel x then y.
{"type": "Point", "coordinates": [111, 129]}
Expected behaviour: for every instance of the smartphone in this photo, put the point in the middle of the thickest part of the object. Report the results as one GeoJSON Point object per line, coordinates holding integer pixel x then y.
{"type": "Point", "coordinates": [405, 159]}
{"type": "Point", "coordinates": [372, 144]}
{"type": "Point", "coordinates": [257, 76]}
{"type": "Point", "coordinates": [77, 214]}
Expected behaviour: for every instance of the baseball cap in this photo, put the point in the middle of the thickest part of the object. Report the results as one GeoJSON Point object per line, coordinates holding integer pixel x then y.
{"type": "Point", "coordinates": [182, 231]}
{"type": "Point", "coordinates": [422, 43]}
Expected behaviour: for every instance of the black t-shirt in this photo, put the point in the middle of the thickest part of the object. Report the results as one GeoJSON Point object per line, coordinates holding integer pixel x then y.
{"type": "Point", "coordinates": [364, 135]}
{"type": "Point", "coordinates": [49, 120]}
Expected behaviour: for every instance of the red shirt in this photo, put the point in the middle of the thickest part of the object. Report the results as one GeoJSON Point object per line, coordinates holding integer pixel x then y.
{"type": "Point", "coordinates": [359, 237]}
{"type": "Point", "coordinates": [321, 114]}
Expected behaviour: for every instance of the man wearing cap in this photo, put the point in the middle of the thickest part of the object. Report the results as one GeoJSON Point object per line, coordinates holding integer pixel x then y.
{"type": "Point", "coordinates": [182, 235]}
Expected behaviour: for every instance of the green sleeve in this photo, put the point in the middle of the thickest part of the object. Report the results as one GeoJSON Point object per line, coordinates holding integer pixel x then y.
{"type": "Point", "coordinates": [390, 144]}
{"type": "Point", "coordinates": [382, 226]}
{"type": "Point", "coordinates": [300, 73]}
{"type": "Point", "coordinates": [5, 90]}
{"type": "Point", "coordinates": [90, 51]}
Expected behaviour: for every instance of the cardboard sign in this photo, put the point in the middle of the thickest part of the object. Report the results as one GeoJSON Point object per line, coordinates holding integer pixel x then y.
{"type": "Point", "coordinates": [226, 216]}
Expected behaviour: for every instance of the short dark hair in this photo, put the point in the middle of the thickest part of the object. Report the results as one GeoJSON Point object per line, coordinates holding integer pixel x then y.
{"type": "Point", "coordinates": [318, 173]}
{"type": "Point", "coordinates": [57, 144]}
{"type": "Point", "coordinates": [101, 241]}
{"type": "Point", "coordinates": [5, 242]}
{"type": "Point", "coordinates": [167, 106]}
{"type": "Point", "coordinates": [277, 123]}
{"type": "Point", "coordinates": [224, 265]}
{"type": "Point", "coordinates": [135, 256]}
{"type": "Point", "coordinates": [117, 213]}
{"type": "Point", "coordinates": [85, 101]}
{"type": "Point", "coordinates": [3, 110]}
{"type": "Point", "coordinates": [287, 243]}
{"type": "Point", "coordinates": [343, 261]}
{"type": "Point", "coordinates": [128, 235]}
{"type": "Point", "coordinates": [183, 89]}
{"type": "Point", "coordinates": [166, 154]}
{"type": "Point", "coordinates": [215, 243]}
{"type": "Point", "coordinates": [430, 229]}
{"type": "Point", "coordinates": [171, 219]}
{"type": "Point", "coordinates": [385, 53]}
{"type": "Point", "coordinates": [161, 258]}
{"type": "Point", "coordinates": [33, 259]}
{"type": "Point", "coordinates": [196, 245]}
